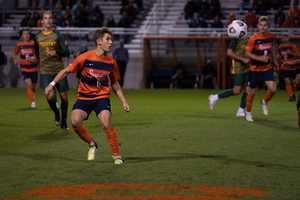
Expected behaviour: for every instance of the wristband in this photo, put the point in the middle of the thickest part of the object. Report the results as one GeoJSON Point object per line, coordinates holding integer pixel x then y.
{"type": "Point", "coordinates": [52, 83]}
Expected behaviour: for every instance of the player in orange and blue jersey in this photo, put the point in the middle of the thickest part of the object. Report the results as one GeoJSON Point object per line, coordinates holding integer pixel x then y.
{"type": "Point", "coordinates": [290, 65]}
{"type": "Point", "coordinates": [287, 52]}
{"type": "Point", "coordinates": [260, 49]}
{"type": "Point", "coordinates": [29, 69]}
{"type": "Point", "coordinates": [96, 68]}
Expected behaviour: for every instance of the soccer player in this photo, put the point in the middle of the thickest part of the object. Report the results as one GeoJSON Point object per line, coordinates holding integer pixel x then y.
{"type": "Point", "coordinates": [239, 71]}
{"type": "Point", "coordinates": [287, 52]}
{"type": "Point", "coordinates": [260, 49]}
{"type": "Point", "coordinates": [50, 46]}
{"type": "Point", "coordinates": [291, 64]}
{"type": "Point", "coordinates": [29, 70]}
{"type": "Point", "coordinates": [96, 67]}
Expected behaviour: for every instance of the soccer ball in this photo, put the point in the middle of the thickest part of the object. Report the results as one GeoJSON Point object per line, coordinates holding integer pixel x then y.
{"type": "Point", "coordinates": [237, 29]}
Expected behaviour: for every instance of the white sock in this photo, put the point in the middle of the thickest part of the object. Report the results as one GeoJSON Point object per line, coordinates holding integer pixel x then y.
{"type": "Point", "coordinates": [241, 109]}
{"type": "Point", "coordinates": [248, 113]}
{"type": "Point", "coordinates": [92, 143]}
{"type": "Point", "coordinates": [215, 97]}
{"type": "Point", "coordinates": [263, 101]}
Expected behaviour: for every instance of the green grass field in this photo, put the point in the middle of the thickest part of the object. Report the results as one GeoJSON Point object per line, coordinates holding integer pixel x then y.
{"type": "Point", "coordinates": [170, 137]}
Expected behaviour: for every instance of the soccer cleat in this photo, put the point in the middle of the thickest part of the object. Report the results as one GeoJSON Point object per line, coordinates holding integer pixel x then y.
{"type": "Point", "coordinates": [33, 105]}
{"type": "Point", "coordinates": [264, 107]}
{"type": "Point", "coordinates": [92, 151]}
{"type": "Point", "coordinates": [211, 102]}
{"type": "Point", "coordinates": [64, 124]}
{"type": "Point", "coordinates": [57, 120]}
{"type": "Point", "coordinates": [249, 117]}
{"type": "Point", "coordinates": [240, 113]}
{"type": "Point", "coordinates": [118, 160]}
{"type": "Point", "coordinates": [292, 98]}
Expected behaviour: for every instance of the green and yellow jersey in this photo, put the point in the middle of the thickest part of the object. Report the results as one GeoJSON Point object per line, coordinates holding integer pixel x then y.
{"type": "Point", "coordinates": [45, 42]}
{"type": "Point", "coordinates": [238, 47]}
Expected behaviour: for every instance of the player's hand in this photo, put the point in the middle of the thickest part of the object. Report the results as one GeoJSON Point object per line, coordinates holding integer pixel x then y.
{"type": "Point", "coordinates": [289, 52]}
{"type": "Point", "coordinates": [15, 62]}
{"type": "Point", "coordinates": [246, 60]}
{"type": "Point", "coordinates": [264, 58]}
{"type": "Point", "coordinates": [288, 64]}
{"type": "Point", "coordinates": [297, 80]}
{"type": "Point", "coordinates": [32, 58]}
{"type": "Point", "coordinates": [48, 90]}
{"type": "Point", "coordinates": [126, 107]}
{"type": "Point", "coordinates": [276, 67]}
{"type": "Point", "coordinates": [51, 53]}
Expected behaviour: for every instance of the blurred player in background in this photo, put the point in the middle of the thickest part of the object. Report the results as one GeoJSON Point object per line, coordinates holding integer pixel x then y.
{"type": "Point", "coordinates": [260, 49]}
{"type": "Point", "coordinates": [96, 68]}
{"type": "Point", "coordinates": [290, 65]}
{"type": "Point", "coordinates": [29, 69]}
{"type": "Point", "coordinates": [239, 70]}
{"type": "Point", "coordinates": [50, 46]}
{"type": "Point", "coordinates": [287, 52]}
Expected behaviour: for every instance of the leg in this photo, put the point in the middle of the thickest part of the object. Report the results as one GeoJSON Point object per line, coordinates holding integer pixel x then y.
{"type": "Point", "coordinates": [201, 81]}
{"type": "Point", "coordinates": [30, 91]}
{"type": "Point", "coordinates": [64, 109]}
{"type": "Point", "coordinates": [105, 119]}
{"type": "Point", "coordinates": [269, 95]}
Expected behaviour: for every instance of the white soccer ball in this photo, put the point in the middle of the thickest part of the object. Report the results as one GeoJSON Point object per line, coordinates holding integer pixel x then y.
{"type": "Point", "coordinates": [237, 29]}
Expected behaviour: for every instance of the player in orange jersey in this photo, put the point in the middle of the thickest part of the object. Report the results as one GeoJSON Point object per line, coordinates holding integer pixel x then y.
{"type": "Point", "coordinates": [28, 69]}
{"type": "Point", "coordinates": [291, 64]}
{"type": "Point", "coordinates": [96, 68]}
{"type": "Point", "coordinates": [287, 52]}
{"type": "Point", "coordinates": [260, 49]}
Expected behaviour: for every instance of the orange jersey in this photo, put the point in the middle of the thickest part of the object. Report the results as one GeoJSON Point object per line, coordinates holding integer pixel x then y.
{"type": "Point", "coordinates": [95, 75]}
{"type": "Point", "coordinates": [26, 50]}
{"type": "Point", "coordinates": [282, 51]}
{"type": "Point", "coordinates": [260, 46]}
{"type": "Point", "coordinates": [294, 13]}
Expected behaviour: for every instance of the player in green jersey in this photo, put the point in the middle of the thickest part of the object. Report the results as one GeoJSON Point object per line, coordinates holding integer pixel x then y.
{"type": "Point", "coordinates": [50, 46]}
{"type": "Point", "coordinates": [239, 71]}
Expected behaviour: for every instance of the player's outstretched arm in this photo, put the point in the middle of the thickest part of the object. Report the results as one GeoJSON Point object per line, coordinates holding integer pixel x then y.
{"type": "Point", "coordinates": [118, 90]}
{"type": "Point", "coordinates": [62, 74]}
{"type": "Point", "coordinates": [291, 64]}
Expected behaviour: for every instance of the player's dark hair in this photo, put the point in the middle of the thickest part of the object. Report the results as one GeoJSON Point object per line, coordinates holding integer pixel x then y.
{"type": "Point", "coordinates": [99, 33]}
{"type": "Point", "coordinates": [24, 29]}
{"type": "Point", "coordinates": [284, 34]}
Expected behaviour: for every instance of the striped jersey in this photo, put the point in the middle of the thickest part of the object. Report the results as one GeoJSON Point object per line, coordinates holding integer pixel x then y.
{"type": "Point", "coordinates": [238, 47]}
{"type": "Point", "coordinates": [260, 46]}
{"type": "Point", "coordinates": [95, 74]}
{"type": "Point", "coordinates": [282, 51]}
{"type": "Point", "coordinates": [26, 50]}
{"type": "Point", "coordinates": [45, 42]}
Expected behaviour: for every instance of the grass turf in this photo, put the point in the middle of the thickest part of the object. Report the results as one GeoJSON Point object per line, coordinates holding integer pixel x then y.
{"type": "Point", "coordinates": [169, 137]}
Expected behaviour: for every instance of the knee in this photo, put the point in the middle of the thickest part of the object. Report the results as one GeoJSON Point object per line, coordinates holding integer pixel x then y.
{"type": "Point", "coordinates": [75, 122]}
{"type": "Point", "coordinates": [106, 126]}
{"type": "Point", "coordinates": [236, 92]}
{"type": "Point", "coordinates": [64, 97]}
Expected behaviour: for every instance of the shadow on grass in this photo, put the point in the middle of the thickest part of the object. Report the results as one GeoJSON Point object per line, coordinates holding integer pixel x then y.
{"type": "Point", "coordinates": [33, 109]}
{"type": "Point", "coordinates": [54, 135]}
{"type": "Point", "coordinates": [224, 159]}
{"type": "Point", "coordinates": [278, 125]}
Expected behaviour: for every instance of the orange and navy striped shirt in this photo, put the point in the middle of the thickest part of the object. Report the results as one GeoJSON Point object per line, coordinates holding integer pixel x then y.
{"type": "Point", "coordinates": [282, 51]}
{"type": "Point", "coordinates": [26, 50]}
{"type": "Point", "coordinates": [95, 74]}
{"type": "Point", "coordinates": [260, 46]}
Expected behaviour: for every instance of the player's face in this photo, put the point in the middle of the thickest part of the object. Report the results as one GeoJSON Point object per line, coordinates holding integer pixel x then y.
{"type": "Point", "coordinates": [47, 20]}
{"type": "Point", "coordinates": [25, 36]}
{"type": "Point", "coordinates": [106, 42]}
{"type": "Point", "coordinates": [263, 27]}
{"type": "Point", "coordinates": [284, 39]}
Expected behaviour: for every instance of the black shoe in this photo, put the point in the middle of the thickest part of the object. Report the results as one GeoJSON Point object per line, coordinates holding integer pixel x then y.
{"type": "Point", "coordinates": [64, 125]}
{"type": "Point", "coordinates": [292, 98]}
{"type": "Point", "coordinates": [57, 120]}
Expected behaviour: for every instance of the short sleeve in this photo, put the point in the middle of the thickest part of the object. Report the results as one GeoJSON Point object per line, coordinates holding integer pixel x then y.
{"type": "Point", "coordinates": [16, 51]}
{"type": "Point", "coordinates": [76, 64]}
{"type": "Point", "coordinates": [250, 45]}
{"type": "Point", "coordinates": [115, 74]}
{"type": "Point", "coordinates": [232, 44]}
